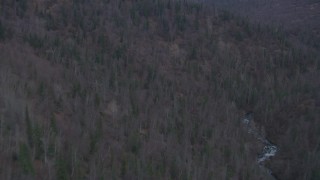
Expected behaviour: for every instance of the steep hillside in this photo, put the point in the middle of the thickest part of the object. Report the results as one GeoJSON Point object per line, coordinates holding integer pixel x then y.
{"type": "Point", "coordinates": [151, 90]}
{"type": "Point", "coordinates": [299, 18]}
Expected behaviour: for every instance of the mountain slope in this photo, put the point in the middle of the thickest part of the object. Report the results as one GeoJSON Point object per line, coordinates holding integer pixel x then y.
{"type": "Point", "coordinates": [299, 18]}
{"type": "Point", "coordinates": [150, 90]}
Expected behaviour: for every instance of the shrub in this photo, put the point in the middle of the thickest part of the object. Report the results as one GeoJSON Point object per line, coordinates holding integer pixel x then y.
{"type": "Point", "coordinates": [315, 174]}
{"type": "Point", "coordinates": [181, 22]}
{"type": "Point", "coordinates": [61, 169]}
{"type": "Point", "coordinates": [25, 159]}
{"type": "Point", "coordinates": [29, 129]}
{"type": "Point", "coordinates": [2, 31]}
{"type": "Point", "coordinates": [22, 7]}
{"type": "Point", "coordinates": [38, 144]}
{"type": "Point", "coordinates": [34, 41]}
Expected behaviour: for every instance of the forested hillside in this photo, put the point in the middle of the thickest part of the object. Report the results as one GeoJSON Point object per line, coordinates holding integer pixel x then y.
{"type": "Point", "coordinates": [300, 18]}
{"type": "Point", "coordinates": [151, 89]}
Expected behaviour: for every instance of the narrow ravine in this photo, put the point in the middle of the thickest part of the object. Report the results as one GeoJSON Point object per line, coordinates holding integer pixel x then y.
{"type": "Point", "coordinates": [269, 150]}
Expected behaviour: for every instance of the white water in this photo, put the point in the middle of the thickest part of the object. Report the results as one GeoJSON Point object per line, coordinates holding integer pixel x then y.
{"type": "Point", "coordinates": [269, 150]}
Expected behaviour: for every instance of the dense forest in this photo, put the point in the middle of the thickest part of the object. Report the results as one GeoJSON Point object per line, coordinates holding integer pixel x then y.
{"type": "Point", "coordinates": [300, 18]}
{"type": "Point", "coordinates": [153, 89]}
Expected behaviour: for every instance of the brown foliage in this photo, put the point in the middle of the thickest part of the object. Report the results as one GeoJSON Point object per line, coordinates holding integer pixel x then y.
{"type": "Point", "coordinates": [152, 90]}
